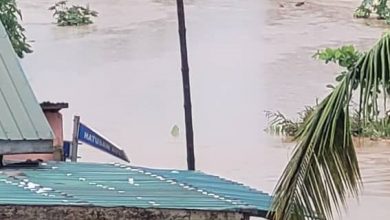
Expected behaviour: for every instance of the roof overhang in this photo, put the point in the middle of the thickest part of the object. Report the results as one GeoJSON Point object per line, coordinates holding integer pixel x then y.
{"type": "Point", "coordinates": [25, 147]}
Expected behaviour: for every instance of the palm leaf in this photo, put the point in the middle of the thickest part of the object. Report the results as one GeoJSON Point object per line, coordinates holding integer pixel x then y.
{"type": "Point", "coordinates": [372, 75]}
{"type": "Point", "coordinates": [323, 170]}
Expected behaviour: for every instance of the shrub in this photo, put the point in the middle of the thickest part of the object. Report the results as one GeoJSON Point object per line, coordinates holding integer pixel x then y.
{"type": "Point", "coordinates": [72, 16]}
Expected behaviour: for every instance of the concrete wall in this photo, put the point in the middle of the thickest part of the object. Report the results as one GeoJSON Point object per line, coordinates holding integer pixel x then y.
{"type": "Point", "coordinates": [92, 213]}
{"type": "Point", "coordinates": [56, 124]}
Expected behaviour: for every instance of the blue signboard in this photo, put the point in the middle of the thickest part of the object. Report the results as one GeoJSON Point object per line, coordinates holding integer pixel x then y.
{"type": "Point", "coordinates": [90, 137]}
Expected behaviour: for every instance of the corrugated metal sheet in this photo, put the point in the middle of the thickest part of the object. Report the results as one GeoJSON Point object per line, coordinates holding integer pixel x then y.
{"type": "Point", "coordinates": [21, 118]}
{"type": "Point", "coordinates": [113, 185]}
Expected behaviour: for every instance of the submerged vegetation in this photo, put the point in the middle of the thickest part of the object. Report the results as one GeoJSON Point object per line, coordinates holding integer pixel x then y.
{"type": "Point", "coordinates": [368, 7]}
{"type": "Point", "coordinates": [279, 124]}
{"type": "Point", "coordinates": [72, 16]}
{"type": "Point", "coordinates": [10, 16]}
{"type": "Point", "coordinates": [346, 57]}
{"type": "Point", "coordinates": [324, 170]}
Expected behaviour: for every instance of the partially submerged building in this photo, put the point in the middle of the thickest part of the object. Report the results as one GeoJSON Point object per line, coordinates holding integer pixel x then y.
{"type": "Point", "coordinates": [62, 190]}
{"type": "Point", "coordinates": [54, 117]}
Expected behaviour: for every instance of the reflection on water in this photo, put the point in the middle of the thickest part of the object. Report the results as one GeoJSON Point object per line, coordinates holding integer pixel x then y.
{"type": "Point", "coordinates": [122, 75]}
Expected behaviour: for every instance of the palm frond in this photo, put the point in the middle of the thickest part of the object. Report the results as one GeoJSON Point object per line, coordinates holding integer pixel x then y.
{"type": "Point", "coordinates": [323, 170]}
{"type": "Point", "coordinates": [279, 124]}
{"type": "Point", "coordinates": [372, 75]}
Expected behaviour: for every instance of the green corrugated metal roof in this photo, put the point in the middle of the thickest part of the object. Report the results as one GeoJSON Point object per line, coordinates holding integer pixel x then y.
{"type": "Point", "coordinates": [114, 185]}
{"type": "Point", "coordinates": [21, 118]}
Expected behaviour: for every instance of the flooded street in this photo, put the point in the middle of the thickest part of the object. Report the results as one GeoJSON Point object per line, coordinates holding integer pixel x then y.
{"type": "Point", "coordinates": [122, 76]}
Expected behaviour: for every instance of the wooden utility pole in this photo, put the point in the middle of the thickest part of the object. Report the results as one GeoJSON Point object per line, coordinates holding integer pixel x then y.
{"type": "Point", "coordinates": [186, 86]}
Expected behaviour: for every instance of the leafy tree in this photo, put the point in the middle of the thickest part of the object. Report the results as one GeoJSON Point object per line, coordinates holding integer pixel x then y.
{"type": "Point", "coordinates": [324, 170]}
{"type": "Point", "coordinates": [9, 16]}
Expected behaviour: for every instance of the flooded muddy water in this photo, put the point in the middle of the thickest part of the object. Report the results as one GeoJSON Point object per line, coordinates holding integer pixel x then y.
{"type": "Point", "coordinates": [122, 76]}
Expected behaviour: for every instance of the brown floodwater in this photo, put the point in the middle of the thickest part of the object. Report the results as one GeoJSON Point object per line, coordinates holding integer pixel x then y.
{"type": "Point", "coordinates": [122, 76]}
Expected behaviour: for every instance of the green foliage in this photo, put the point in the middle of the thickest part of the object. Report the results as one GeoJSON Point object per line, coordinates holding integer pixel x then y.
{"type": "Point", "coordinates": [9, 16]}
{"type": "Point", "coordinates": [362, 12]}
{"type": "Point", "coordinates": [371, 6]}
{"type": "Point", "coordinates": [72, 16]}
{"type": "Point", "coordinates": [382, 10]}
{"type": "Point", "coordinates": [323, 170]}
{"type": "Point", "coordinates": [373, 129]}
{"type": "Point", "coordinates": [345, 56]}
